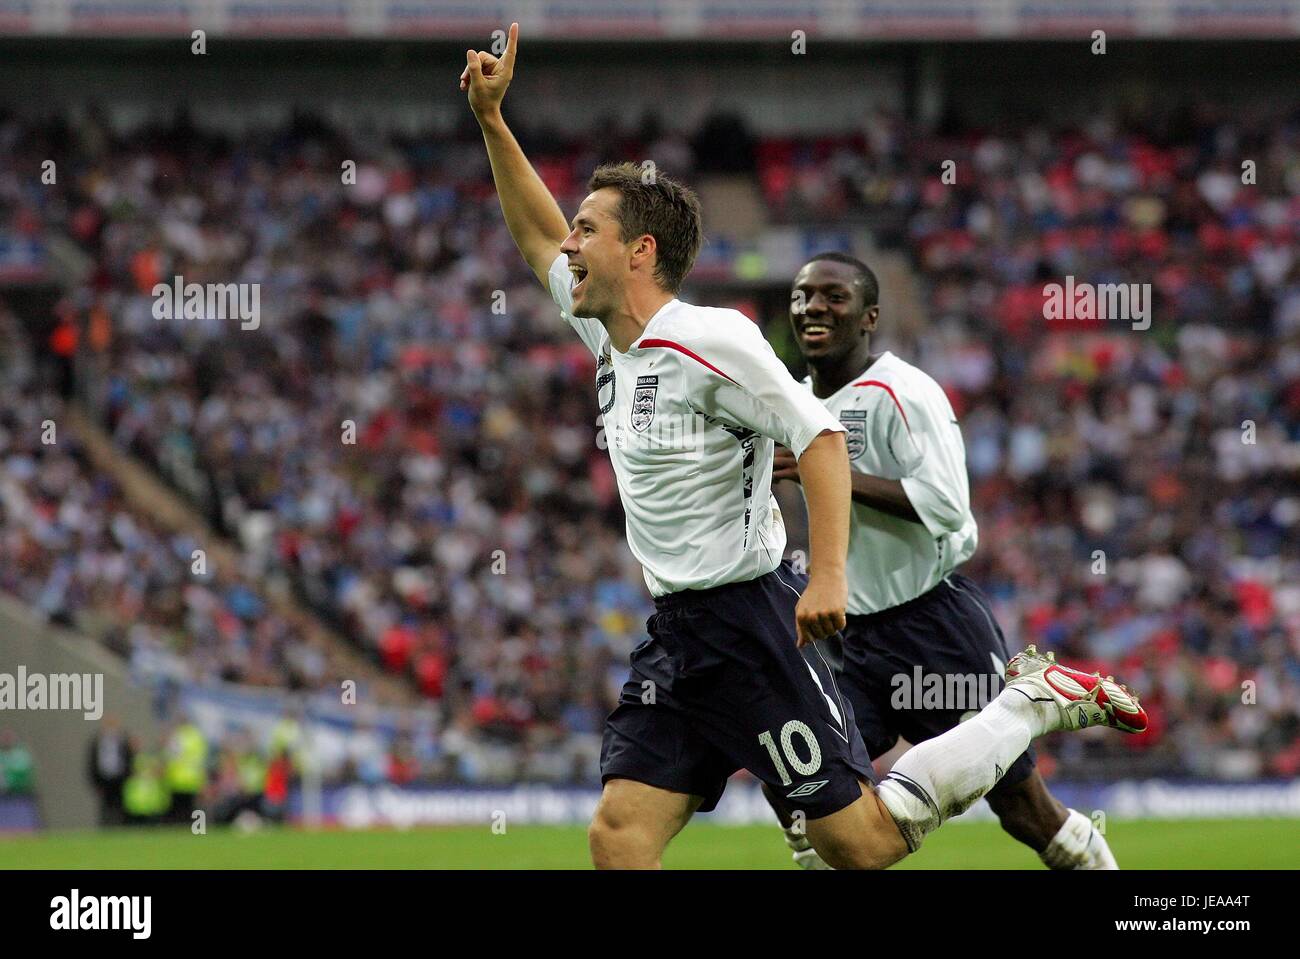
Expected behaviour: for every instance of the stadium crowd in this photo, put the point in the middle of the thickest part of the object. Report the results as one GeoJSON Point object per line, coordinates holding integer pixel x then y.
{"type": "Point", "coordinates": [73, 549]}
{"type": "Point", "coordinates": [410, 433]}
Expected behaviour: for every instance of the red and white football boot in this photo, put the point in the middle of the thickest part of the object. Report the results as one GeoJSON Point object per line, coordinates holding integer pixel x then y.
{"type": "Point", "coordinates": [1084, 699]}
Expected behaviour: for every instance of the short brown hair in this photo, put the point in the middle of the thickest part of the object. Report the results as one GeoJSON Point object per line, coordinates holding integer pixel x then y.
{"type": "Point", "coordinates": [660, 206]}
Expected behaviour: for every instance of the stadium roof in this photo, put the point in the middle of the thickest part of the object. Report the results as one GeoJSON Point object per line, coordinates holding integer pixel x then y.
{"type": "Point", "coordinates": [706, 20]}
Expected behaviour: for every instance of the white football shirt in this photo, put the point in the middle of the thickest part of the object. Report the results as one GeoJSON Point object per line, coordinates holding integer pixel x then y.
{"type": "Point", "coordinates": [901, 426]}
{"type": "Point", "coordinates": [690, 412]}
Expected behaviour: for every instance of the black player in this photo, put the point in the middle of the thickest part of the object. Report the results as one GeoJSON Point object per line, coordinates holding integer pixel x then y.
{"type": "Point", "coordinates": [911, 617]}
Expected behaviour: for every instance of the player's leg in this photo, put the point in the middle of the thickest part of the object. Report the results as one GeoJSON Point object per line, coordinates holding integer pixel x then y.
{"type": "Point", "coordinates": [634, 823]}
{"type": "Point", "coordinates": [954, 764]}
{"type": "Point", "coordinates": [944, 776]}
{"type": "Point", "coordinates": [1027, 811]}
{"type": "Point", "coordinates": [884, 657]}
{"type": "Point", "coordinates": [862, 835]}
{"type": "Point", "coordinates": [855, 827]}
{"type": "Point", "coordinates": [1063, 838]}
{"type": "Point", "coordinates": [656, 768]}
{"type": "Point", "coordinates": [772, 708]}
{"type": "Point", "coordinates": [869, 703]}
{"type": "Point", "coordinates": [932, 782]}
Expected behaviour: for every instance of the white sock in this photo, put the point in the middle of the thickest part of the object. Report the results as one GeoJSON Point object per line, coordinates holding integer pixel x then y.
{"type": "Point", "coordinates": [943, 777]}
{"type": "Point", "coordinates": [1078, 845]}
{"type": "Point", "coordinates": [805, 856]}
{"type": "Point", "coordinates": [796, 839]}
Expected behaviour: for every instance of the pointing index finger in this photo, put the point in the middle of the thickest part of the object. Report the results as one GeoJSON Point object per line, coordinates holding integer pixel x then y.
{"type": "Point", "coordinates": [512, 45]}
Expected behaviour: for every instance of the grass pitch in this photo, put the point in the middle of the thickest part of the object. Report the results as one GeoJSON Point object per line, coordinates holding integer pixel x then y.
{"type": "Point", "coordinates": [1204, 844]}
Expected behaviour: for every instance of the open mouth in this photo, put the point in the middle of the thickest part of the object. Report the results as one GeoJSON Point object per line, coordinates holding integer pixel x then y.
{"type": "Point", "coordinates": [579, 276]}
{"type": "Point", "coordinates": [815, 332]}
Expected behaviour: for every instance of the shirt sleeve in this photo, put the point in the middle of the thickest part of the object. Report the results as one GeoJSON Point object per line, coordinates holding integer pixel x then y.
{"type": "Point", "coordinates": [735, 376]}
{"type": "Point", "coordinates": [922, 437]}
{"type": "Point", "coordinates": [561, 283]}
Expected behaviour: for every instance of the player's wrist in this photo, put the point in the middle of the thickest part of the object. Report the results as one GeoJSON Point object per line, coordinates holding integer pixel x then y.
{"type": "Point", "coordinates": [828, 574]}
{"type": "Point", "coordinates": [490, 118]}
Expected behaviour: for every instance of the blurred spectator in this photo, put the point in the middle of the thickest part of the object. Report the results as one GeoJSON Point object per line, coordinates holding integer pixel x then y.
{"type": "Point", "coordinates": [403, 768]}
{"type": "Point", "coordinates": [109, 760]}
{"type": "Point", "coordinates": [238, 784]}
{"type": "Point", "coordinates": [186, 769]}
{"type": "Point", "coordinates": [280, 778]}
{"type": "Point", "coordinates": [145, 795]}
{"type": "Point", "coordinates": [17, 770]}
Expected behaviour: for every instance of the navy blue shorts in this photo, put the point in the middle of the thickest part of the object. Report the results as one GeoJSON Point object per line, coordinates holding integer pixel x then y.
{"type": "Point", "coordinates": [720, 686]}
{"type": "Point", "coordinates": [918, 669]}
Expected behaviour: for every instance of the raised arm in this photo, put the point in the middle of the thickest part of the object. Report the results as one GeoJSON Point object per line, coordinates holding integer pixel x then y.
{"type": "Point", "coordinates": [532, 215]}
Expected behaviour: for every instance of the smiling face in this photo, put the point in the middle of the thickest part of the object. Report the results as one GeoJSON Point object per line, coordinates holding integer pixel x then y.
{"type": "Point", "coordinates": [598, 257]}
{"type": "Point", "coordinates": [827, 310]}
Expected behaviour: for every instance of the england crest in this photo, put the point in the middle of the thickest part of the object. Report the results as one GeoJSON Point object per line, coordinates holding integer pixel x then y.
{"type": "Point", "coordinates": [855, 422]}
{"type": "Point", "coordinates": [643, 402]}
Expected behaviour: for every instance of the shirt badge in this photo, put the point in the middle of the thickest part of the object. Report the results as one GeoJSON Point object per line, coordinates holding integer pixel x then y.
{"type": "Point", "coordinates": [855, 422]}
{"type": "Point", "coordinates": [643, 402]}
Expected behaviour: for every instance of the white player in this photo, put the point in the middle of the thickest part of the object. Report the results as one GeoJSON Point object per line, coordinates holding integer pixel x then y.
{"type": "Point", "coordinates": [730, 677]}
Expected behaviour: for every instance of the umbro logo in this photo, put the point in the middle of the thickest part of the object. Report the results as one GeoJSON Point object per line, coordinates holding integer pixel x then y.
{"type": "Point", "coordinates": [807, 789]}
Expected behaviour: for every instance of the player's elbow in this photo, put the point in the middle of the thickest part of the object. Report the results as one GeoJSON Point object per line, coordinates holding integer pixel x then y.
{"type": "Point", "coordinates": [950, 518]}
{"type": "Point", "coordinates": [938, 510]}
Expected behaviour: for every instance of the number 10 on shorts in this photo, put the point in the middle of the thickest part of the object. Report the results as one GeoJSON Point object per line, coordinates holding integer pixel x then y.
{"type": "Point", "coordinates": [788, 732]}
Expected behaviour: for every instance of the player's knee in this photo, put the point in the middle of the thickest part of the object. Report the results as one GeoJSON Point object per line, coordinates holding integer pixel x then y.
{"type": "Point", "coordinates": [851, 856]}
{"type": "Point", "coordinates": [619, 843]}
{"type": "Point", "coordinates": [1028, 812]}
{"type": "Point", "coordinates": [1019, 822]}
{"type": "Point", "coordinates": [1013, 813]}
{"type": "Point", "coordinates": [863, 836]}
{"type": "Point", "coordinates": [864, 851]}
